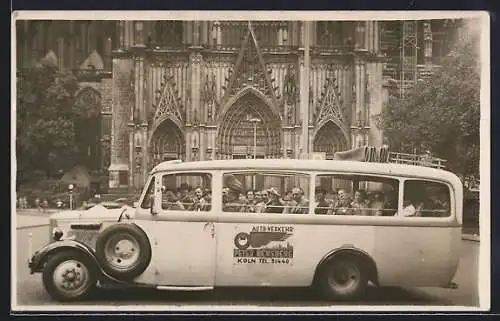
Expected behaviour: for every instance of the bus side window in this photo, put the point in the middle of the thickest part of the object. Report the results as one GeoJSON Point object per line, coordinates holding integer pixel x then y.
{"type": "Point", "coordinates": [178, 193]}
{"type": "Point", "coordinates": [359, 195]}
{"type": "Point", "coordinates": [426, 199]}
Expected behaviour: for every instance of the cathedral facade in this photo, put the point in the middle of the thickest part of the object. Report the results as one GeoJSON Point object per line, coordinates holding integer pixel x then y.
{"type": "Point", "coordinates": [201, 90]}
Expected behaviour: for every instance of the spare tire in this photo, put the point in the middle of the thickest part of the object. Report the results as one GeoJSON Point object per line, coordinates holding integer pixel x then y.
{"type": "Point", "coordinates": [123, 251]}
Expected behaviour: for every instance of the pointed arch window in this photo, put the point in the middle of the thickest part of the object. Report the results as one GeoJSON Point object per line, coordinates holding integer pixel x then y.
{"type": "Point", "coordinates": [335, 34]}
{"type": "Point", "coordinates": [168, 34]}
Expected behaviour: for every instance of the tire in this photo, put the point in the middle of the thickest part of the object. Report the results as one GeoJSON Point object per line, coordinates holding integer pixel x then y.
{"type": "Point", "coordinates": [241, 236]}
{"type": "Point", "coordinates": [123, 251]}
{"type": "Point", "coordinates": [343, 278]}
{"type": "Point", "coordinates": [70, 276]}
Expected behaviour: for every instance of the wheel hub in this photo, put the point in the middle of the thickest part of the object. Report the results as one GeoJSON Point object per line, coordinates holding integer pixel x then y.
{"type": "Point", "coordinates": [70, 276]}
{"type": "Point", "coordinates": [122, 251]}
{"type": "Point", "coordinates": [344, 277]}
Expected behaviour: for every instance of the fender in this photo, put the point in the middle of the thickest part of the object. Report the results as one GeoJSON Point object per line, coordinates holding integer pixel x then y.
{"type": "Point", "coordinates": [349, 249]}
{"type": "Point", "coordinates": [38, 259]}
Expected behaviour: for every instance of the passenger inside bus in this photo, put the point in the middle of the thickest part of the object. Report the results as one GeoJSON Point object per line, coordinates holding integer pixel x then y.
{"type": "Point", "coordinates": [299, 204]}
{"type": "Point", "coordinates": [170, 201]}
{"type": "Point", "coordinates": [260, 204]}
{"type": "Point", "coordinates": [376, 203]}
{"type": "Point", "coordinates": [251, 203]}
{"type": "Point", "coordinates": [359, 206]}
{"type": "Point", "coordinates": [343, 204]}
{"type": "Point", "coordinates": [408, 209]}
{"type": "Point", "coordinates": [208, 199]}
{"type": "Point", "coordinates": [275, 203]}
{"type": "Point", "coordinates": [322, 206]}
{"type": "Point", "coordinates": [231, 198]}
{"type": "Point", "coordinates": [200, 204]}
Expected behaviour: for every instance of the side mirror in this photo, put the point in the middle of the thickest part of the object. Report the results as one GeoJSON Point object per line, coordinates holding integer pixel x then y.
{"type": "Point", "coordinates": [135, 204]}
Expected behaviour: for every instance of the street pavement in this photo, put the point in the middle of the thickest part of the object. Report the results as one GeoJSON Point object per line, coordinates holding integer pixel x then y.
{"type": "Point", "coordinates": [30, 290]}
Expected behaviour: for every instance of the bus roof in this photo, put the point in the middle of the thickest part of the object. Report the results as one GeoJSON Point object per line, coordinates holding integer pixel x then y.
{"type": "Point", "coordinates": [309, 165]}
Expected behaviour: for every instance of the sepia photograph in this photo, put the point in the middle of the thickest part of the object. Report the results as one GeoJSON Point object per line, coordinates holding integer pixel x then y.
{"type": "Point", "coordinates": [250, 161]}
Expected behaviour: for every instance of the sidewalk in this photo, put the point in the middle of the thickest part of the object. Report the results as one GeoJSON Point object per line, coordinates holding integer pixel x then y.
{"type": "Point", "coordinates": [30, 217]}
{"type": "Point", "coordinates": [29, 221]}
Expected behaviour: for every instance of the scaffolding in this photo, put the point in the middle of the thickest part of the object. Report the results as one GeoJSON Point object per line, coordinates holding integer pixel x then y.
{"type": "Point", "coordinates": [408, 56]}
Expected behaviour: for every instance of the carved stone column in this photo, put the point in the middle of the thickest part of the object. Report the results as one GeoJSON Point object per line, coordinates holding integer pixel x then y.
{"type": "Point", "coordinates": [122, 113]}
{"type": "Point", "coordinates": [139, 120]}
{"type": "Point", "coordinates": [194, 114]}
{"type": "Point", "coordinates": [427, 43]}
{"type": "Point", "coordinates": [304, 69]}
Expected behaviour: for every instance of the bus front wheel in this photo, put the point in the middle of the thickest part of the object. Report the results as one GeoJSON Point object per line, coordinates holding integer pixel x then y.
{"type": "Point", "coordinates": [343, 278]}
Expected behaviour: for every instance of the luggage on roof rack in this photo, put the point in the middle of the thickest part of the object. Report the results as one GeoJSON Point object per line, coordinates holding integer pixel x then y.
{"type": "Point", "coordinates": [378, 154]}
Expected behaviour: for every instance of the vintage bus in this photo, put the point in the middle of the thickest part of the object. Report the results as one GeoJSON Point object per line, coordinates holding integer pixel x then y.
{"type": "Point", "coordinates": [337, 226]}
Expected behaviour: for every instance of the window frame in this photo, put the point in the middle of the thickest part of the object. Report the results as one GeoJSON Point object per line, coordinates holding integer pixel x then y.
{"type": "Point", "coordinates": [430, 180]}
{"type": "Point", "coordinates": [339, 173]}
{"type": "Point", "coordinates": [142, 199]}
{"type": "Point", "coordinates": [159, 195]}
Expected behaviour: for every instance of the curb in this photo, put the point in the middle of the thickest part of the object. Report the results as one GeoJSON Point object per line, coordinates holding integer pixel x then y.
{"type": "Point", "coordinates": [31, 226]}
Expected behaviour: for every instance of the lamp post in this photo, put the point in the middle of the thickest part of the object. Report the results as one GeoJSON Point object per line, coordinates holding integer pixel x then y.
{"type": "Point", "coordinates": [254, 121]}
{"type": "Point", "coordinates": [70, 189]}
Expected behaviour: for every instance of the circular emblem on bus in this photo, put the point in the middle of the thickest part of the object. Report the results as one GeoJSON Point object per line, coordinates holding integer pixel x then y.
{"type": "Point", "coordinates": [242, 241]}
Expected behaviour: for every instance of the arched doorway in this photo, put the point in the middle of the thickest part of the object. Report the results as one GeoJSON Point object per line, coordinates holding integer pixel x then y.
{"type": "Point", "coordinates": [167, 143]}
{"type": "Point", "coordinates": [329, 139]}
{"type": "Point", "coordinates": [249, 128]}
{"type": "Point", "coordinates": [88, 128]}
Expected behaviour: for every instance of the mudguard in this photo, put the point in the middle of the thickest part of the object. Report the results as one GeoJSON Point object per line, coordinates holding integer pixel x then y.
{"type": "Point", "coordinates": [39, 257]}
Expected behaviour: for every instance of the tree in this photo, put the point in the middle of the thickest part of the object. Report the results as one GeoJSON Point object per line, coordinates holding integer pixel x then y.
{"type": "Point", "coordinates": [45, 120]}
{"type": "Point", "coordinates": [442, 114]}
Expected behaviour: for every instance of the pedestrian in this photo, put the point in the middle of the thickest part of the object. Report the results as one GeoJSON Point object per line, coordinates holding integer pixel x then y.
{"type": "Point", "coordinates": [45, 205]}
{"type": "Point", "coordinates": [38, 205]}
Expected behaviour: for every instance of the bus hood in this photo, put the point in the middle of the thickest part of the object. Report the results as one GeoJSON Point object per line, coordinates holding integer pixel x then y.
{"type": "Point", "coordinates": [97, 212]}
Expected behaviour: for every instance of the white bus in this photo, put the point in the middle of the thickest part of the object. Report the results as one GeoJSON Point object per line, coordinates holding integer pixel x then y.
{"type": "Point", "coordinates": [333, 225]}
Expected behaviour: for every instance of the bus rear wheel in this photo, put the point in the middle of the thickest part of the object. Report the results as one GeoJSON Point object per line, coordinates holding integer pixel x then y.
{"type": "Point", "coordinates": [343, 278]}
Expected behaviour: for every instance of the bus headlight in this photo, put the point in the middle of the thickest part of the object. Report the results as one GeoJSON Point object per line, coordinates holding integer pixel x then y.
{"type": "Point", "coordinates": [57, 234]}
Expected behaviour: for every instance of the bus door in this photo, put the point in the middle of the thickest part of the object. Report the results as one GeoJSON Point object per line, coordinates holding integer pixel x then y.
{"type": "Point", "coordinates": [423, 248]}
{"type": "Point", "coordinates": [184, 234]}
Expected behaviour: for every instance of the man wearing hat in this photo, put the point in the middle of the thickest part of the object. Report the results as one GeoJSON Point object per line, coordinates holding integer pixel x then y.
{"type": "Point", "coordinates": [322, 206]}
{"type": "Point", "coordinates": [275, 203]}
{"type": "Point", "coordinates": [186, 198]}
{"type": "Point", "coordinates": [232, 201]}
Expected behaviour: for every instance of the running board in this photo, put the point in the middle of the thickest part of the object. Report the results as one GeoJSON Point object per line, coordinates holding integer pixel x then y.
{"type": "Point", "coordinates": [184, 288]}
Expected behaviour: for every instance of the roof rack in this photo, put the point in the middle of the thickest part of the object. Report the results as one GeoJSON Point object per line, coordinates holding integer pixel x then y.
{"type": "Point", "coordinates": [381, 154]}
{"type": "Point", "coordinates": [415, 159]}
